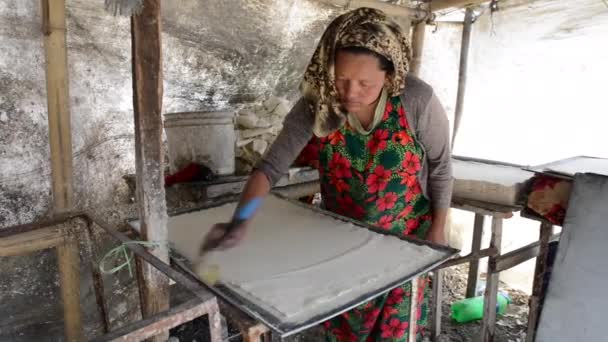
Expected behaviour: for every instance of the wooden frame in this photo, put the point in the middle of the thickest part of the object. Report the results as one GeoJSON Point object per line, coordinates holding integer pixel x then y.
{"type": "Point", "coordinates": [25, 239]}
{"type": "Point", "coordinates": [497, 263]}
{"type": "Point", "coordinates": [56, 233]}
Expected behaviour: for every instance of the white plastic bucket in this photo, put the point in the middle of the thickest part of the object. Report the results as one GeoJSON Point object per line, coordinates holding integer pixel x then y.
{"type": "Point", "coordinates": [201, 137]}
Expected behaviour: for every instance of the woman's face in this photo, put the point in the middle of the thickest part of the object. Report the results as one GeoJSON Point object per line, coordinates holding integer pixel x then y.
{"type": "Point", "coordinates": [359, 80]}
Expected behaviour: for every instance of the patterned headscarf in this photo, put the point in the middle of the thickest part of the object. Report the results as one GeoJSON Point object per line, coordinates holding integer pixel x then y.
{"type": "Point", "coordinates": [364, 27]}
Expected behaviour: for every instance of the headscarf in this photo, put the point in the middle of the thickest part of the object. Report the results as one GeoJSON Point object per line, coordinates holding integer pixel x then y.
{"type": "Point", "coordinates": [364, 27]}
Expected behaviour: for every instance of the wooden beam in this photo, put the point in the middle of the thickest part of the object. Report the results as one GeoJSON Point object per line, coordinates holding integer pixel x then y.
{"type": "Point", "coordinates": [417, 47]}
{"type": "Point", "coordinates": [196, 288]}
{"type": "Point", "coordinates": [413, 326]}
{"type": "Point", "coordinates": [437, 301]}
{"type": "Point", "coordinates": [474, 264]}
{"type": "Point", "coordinates": [31, 241]}
{"type": "Point", "coordinates": [438, 5]}
{"type": "Point", "coordinates": [483, 208]}
{"type": "Point", "coordinates": [163, 321]}
{"type": "Point", "coordinates": [389, 9]}
{"type": "Point", "coordinates": [468, 258]}
{"type": "Point", "coordinates": [149, 153]}
{"type": "Point", "coordinates": [463, 70]}
{"type": "Point", "coordinates": [546, 229]}
{"type": "Point", "coordinates": [183, 280]}
{"type": "Point", "coordinates": [58, 102]}
{"type": "Point", "coordinates": [488, 327]}
{"type": "Point", "coordinates": [68, 260]}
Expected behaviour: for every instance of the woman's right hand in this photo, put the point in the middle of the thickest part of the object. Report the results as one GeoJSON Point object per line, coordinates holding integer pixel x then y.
{"type": "Point", "coordinates": [224, 240]}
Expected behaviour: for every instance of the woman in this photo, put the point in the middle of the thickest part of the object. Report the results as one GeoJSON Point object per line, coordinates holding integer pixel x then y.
{"type": "Point", "coordinates": [380, 140]}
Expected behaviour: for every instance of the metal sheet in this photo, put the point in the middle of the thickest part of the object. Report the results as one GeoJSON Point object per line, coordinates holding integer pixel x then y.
{"type": "Point", "coordinates": [576, 297]}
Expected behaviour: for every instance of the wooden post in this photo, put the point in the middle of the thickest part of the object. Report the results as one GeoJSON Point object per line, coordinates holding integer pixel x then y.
{"type": "Point", "coordinates": [462, 72]}
{"type": "Point", "coordinates": [417, 47]}
{"type": "Point", "coordinates": [546, 230]}
{"type": "Point", "coordinates": [474, 264]}
{"type": "Point", "coordinates": [413, 324]}
{"type": "Point", "coordinates": [58, 102]}
{"type": "Point", "coordinates": [488, 327]}
{"type": "Point", "coordinates": [437, 301]}
{"type": "Point", "coordinates": [69, 275]}
{"type": "Point", "coordinates": [149, 154]}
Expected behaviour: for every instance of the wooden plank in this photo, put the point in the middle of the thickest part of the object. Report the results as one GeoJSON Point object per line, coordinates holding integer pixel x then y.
{"type": "Point", "coordinates": [58, 102]}
{"type": "Point", "coordinates": [417, 47]}
{"type": "Point", "coordinates": [473, 276]}
{"type": "Point", "coordinates": [437, 301]}
{"type": "Point", "coordinates": [163, 321]}
{"type": "Point", "coordinates": [546, 229]}
{"type": "Point", "coordinates": [488, 327]}
{"type": "Point", "coordinates": [484, 208]}
{"type": "Point", "coordinates": [91, 244]}
{"type": "Point", "coordinates": [52, 221]}
{"type": "Point", "coordinates": [31, 241]}
{"type": "Point", "coordinates": [68, 261]}
{"type": "Point", "coordinates": [149, 154]}
{"type": "Point", "coordinates": [438, 5]}
{"type": "Point", "coordinates": [486, 252]}
{"type": "Point", "coordinates": [462, 70]}
{"type": "Point", "coordinates": [522, 254]}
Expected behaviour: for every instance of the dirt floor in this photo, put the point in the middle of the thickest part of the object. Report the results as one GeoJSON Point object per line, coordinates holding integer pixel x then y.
{"type": "Point", "coordinates": [510, 327]}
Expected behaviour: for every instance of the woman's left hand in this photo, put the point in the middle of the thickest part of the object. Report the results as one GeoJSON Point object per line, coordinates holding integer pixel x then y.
{"type": "Point", "coordinates": [436, 235]}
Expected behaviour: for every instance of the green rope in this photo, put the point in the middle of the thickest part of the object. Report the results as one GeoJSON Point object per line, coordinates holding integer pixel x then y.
{"type": "Point", "coordinates": [116, 252]}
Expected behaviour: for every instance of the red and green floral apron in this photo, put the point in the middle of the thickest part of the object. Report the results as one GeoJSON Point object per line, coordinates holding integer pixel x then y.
{"type": "Point", "coordinates": [374, 178]}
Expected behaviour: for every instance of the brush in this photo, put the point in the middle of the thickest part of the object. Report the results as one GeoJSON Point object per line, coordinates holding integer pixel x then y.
{"type": "Point", "coordinates": [209, 273]}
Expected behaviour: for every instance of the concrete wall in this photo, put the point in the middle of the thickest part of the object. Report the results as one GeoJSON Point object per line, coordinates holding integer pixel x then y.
{"type": "Point", "coordinates": [217, 55]}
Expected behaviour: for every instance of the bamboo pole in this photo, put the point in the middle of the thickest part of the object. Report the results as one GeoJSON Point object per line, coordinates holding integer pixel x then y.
{"type": "Point", "coordinates": [462, 72]}
{"type": "Point", "coordinates": [417, 47]}
{"type": "Point", "coordinates": [149, 154]}
{"type": "Point", "coordinates": [58, 102]}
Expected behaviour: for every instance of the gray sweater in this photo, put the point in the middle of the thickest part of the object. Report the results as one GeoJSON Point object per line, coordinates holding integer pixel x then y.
{"type": "Point", "coordinates": [425, 115]}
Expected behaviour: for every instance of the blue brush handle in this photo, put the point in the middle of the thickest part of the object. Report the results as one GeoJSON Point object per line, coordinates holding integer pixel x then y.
{"type": "Point", "coordinates": [244, 213]}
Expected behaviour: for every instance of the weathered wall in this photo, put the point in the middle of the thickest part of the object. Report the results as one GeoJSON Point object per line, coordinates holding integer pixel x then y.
{"type": "Point", "coordinates": [217, 54]}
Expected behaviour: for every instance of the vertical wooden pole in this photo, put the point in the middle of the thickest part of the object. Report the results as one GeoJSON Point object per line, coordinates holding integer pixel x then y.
{"type": "Point", "coordinates": [488, 327]}
{"type": "Point", "coordinates": [473, 277]}
{"type": "Point", "coordinates": [149, 154]}
{"type": "Point", "coordinates": [68, 261]}
{"type": "Point", "coordinates": [413, 324]}
{"type": "Point", "coordinates": [437, 301]}
{"type": "Point", "coordinates": [58, 102]}
{"type": "Point", "coordinates": [463, 69]}
{"type": "Point", "coordinates": [417, 47]}
{"type": "Point", "coordinates": [546, 230]}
